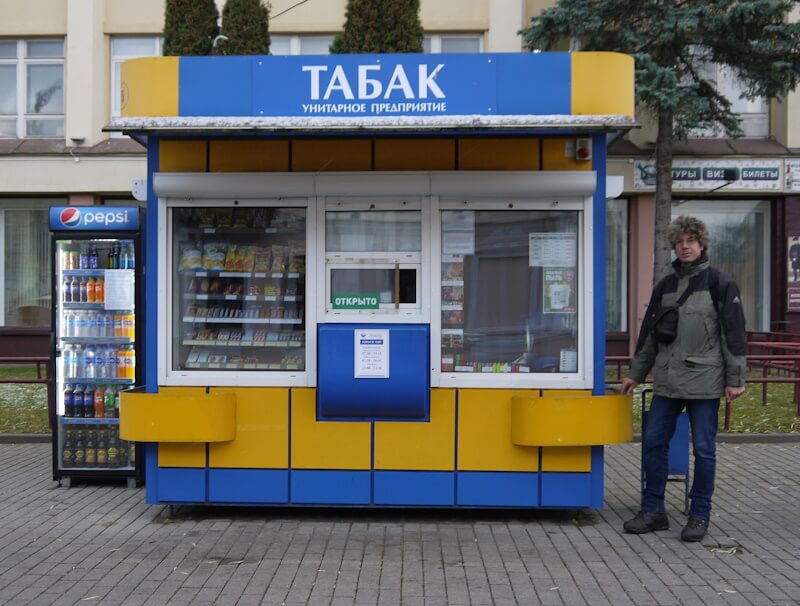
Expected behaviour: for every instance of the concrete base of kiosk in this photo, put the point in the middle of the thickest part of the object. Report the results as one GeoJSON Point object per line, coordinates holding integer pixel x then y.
{"type": "Point", "coordinates": [465, 455]}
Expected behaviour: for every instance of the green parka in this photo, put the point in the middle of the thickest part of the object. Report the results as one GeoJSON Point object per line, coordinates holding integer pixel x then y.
{"type": "Point", "coordinates": [708, 353]}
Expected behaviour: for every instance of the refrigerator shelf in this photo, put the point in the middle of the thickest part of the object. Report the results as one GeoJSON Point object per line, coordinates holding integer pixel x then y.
{"type": "Point", "coordinates": [96, 469]}
{"type": "Point", "coordinates": [268, 298]}
{"type": "Point", "coordinates": [87, 421]}
{"type": "Point", "coordinates": [227, 366]}
{"type": "Point", "coordinates": [219, 273]}
{"type": "Point", "coordinates": [243, 343]}
{"type": "Point", "coordinates": [98, 306]}
{"type": "Point", "coordinates": [97, 340]}
{"type": "Point", "coordinates": [100, 271]}
{"type": "Point", "coordinates": [99, 380]}
{"type": "Point", "coordinates": [193, 320]}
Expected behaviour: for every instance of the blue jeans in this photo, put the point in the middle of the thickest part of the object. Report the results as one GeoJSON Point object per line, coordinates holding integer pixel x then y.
{"type": "Point", "coordinates": [661, 420]}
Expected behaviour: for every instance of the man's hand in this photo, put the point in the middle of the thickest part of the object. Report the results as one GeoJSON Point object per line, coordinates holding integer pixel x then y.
{"type": "Point", "coordinates": [628, 385]}
{"type": "Point", "coordinates": [731, 393]}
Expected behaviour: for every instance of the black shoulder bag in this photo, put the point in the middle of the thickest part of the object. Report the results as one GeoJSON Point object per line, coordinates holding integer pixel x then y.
{"type": "Point", "coordinates": [665, 327]}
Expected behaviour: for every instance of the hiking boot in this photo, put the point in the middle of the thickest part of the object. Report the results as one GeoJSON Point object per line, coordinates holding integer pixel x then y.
{"type": "Point", "coordinates": [694, 530]}
{"type": "Point", "coordinates": [646, 521]}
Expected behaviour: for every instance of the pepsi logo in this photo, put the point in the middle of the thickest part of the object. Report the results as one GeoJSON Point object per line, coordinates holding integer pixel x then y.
{"type": "Point", "coordinates": [70, 217]}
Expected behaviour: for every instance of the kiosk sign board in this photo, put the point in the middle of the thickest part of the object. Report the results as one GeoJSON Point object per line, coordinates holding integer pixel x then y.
{"type": "Point", "coordinates": [712, 174]}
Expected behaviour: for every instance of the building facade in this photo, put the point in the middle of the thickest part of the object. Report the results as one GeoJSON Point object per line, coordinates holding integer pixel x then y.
{"type": "Point", "coordinates": [59, 86]}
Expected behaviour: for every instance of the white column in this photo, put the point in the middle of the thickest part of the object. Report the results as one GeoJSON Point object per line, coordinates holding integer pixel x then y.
{"type": "Point", "coordinates": [506, 18]}
{"type": "Point", "coordinates": [86, 77]}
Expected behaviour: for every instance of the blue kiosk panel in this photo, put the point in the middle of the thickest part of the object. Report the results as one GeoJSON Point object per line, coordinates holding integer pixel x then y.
{"type": "Point", "coordinates": [403, 394]}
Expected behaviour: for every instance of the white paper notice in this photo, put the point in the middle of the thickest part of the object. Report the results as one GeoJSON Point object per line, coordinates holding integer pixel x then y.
{"type": "Point", "coordinates": [458, 243]}
{"type": "Point", "coordinates": [119, 289]}
{"type": "Point", "coordinates": [552, 249]}
{"type": "Point", "coordinates": [568, 361]}
{"type": "Point", "coordinates": [372, 354]}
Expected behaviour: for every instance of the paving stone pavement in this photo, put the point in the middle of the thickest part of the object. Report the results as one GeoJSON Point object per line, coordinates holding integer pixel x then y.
{"type": "Point", "coordinates": [101, 544]}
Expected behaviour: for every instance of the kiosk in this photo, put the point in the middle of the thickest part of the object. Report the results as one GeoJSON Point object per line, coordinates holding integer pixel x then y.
{"type": "Point", "coordinates": [376, 280]}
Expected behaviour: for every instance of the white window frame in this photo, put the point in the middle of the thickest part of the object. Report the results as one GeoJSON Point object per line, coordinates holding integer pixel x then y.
{"type": "Point", "coordinates": [22, 61]}
{"type": "Point", "coordinates": [436, 40]}
{"type": "Point", "coordinates": [583, 379]}
{"type": "Point", "coordinates": [407, 313]}
{"type": "Point", "coordinates": [296, 42]}
{"type": "Point", "coordinates": [167, 375]}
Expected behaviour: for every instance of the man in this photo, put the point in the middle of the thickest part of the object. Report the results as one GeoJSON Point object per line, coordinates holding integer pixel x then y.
{"type": "Point", "coordinates": [693, 338]}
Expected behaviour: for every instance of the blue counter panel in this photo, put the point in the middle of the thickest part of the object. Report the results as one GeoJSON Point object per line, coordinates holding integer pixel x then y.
{"type": "Point", "coordinates": [566, 489]}
{"type": "Point", "coordinates": [331, 487]}
{"type": "Point", "coordinates": [415, 488]}
{"type": "Point", "coordinates": [248, 485]}
{"type": "Point", "coordinates": [405, 394]}
{"type": "Point", "coordinates": [181, 485]}
{"type": "Point", "coordinates": [498, 489]}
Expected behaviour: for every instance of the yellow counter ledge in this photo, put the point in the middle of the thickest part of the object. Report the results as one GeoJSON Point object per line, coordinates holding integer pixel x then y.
{"type": "Point", "coordinates": [571, 419]}
{"type": "Point", "coordinates": [166, 417]}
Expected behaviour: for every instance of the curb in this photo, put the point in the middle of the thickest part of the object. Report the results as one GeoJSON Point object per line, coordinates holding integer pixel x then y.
{"type": "Point", "coordinates": [747, 438]}
{"type": "Point", "coordinates": [24, 438]}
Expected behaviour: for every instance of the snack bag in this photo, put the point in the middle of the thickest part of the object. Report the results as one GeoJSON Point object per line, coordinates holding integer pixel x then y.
{"type": "Point", "coordinates": [191, 258]}
{"type": "Point", "coordinates": [231, 258]}
{"type": "Point", "coordinates": [278, 258]}
{"type": "Point", "coordinates": [261, 259]}
{"type": "Point", "coordinates": [214, 255]}
{"type": "Point", "coordinates": [249, 260]}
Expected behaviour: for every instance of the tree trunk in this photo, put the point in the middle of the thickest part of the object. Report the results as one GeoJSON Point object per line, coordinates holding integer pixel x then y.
{"type": "Point", "coordinates": [661, 246]}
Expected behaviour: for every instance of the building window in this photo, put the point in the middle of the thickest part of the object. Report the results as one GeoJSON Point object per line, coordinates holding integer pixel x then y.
{"type": "Point", "coordinates": [31, 88]}
{"type": "Point", "coordinates": [617, 265]}
{"type": "Point", "coordinates": [25, 270]}
{"type": "Point", "coordinates": [300, 45]}
{"type": "Point", "coordinates": [753, 114]}
{"type": "Point", "coordinates": [122, 49]}
{"type": "Point", "coordinates": [452, 43]}
{"type": "Point", "coordinates": [510, 296]}
{"type": "Point", "coordinates": [739, 246]}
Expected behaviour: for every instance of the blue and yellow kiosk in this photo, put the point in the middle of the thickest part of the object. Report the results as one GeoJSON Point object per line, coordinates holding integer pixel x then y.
{"type": "Point", "coordinates": [376, 280]}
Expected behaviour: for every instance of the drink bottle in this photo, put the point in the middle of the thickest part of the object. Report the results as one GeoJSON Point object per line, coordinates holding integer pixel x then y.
{"type": "Point", "coordinates": [128, 325]}
{"type": "Point", "coordinates": [79, 360]}
{"type": "Point", "coordinates": [74, 289]}
{"type": "Point", "coordinates": [89, 366]}
{"type": "Point", "coordinates": [113, 449]}
{"type": "Point", "coordinates": [99, 402]}
{"type": "Point", "coordinates": [69, 400]}
{"type": "Point", "coordinates": [80, 452]}
{"type": "Point", "coordinates": [69, 324]}
{"type": "Point", "coordinates": [108, 324]}
{"type": "Point", "coordinates": [129, 360]}
{"type": "Point", "coordinates": [99, 290]}
{"type": "Point", "coordinates": [83, 258]}
{"type": "Point", "coordinates": [119, 325]}
{"type": "Point", "coordinates": [116, 403]}
{"type": "Point", "coordinates": [131, 256]}
{"type": "Point", "coordinates": [112, 257]}
{"type": "Point", "coordinates": [94, 260]}
{"type": "Point", "coordinates": [123, 255]}
{"type": "Point", "coordinates": [101, 368]}
{"type": "Point", "coordinates": [111, 396]}
{"type": "Point", "coordinates": [102, 448]}
{"type": "Point", "coordinates": [66, 287]}
{"type": "Point", "coordinates": [97, 324]}
{"type": "Point", "coordinates": [91, 448]}
{"type": "Point", "coordinates": [81, 324]}
{"type": "Point", "coordinates": [77, 398]}
{"type": "Point", "coordinates": [68, 450]}
{"type": "Point", "coordinates": [68, 356]}
{"type": "Point", "coordinates": [111, 362]}
{"type": "Point", "coordinates": [88, 401]}
{"type": "Point", "coordinates": [90, 290]}
{"type": "Point", "coordinates": [82, 290]}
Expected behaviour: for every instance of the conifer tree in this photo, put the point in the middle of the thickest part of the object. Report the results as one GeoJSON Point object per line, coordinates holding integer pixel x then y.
{"type": "Point", "coordinates": [380, 26]}
{"type": "Point", "coordinates": [245, 24]}
{"type": "Point", "coordinates": [671, 41]}
{"type": "Point", "coordinates": [190, 27]}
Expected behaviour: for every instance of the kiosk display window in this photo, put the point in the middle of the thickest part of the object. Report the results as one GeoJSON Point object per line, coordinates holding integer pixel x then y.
{"type": "Point", "coordinates": [509, 291]}
{"type": "Point", "coordinates": [238, 288]}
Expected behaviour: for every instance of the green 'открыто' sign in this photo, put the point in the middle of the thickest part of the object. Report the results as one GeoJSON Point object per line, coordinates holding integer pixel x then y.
{"type": "Point", "coordinates": [356, 301]}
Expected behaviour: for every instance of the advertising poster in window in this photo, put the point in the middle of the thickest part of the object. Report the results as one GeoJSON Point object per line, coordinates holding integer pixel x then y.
{"type": "Point", "coordinates": [559, 290]}
{"type": "Point", "coordinates": [793, 273]}
{"type": "Point", "coordinates": [791, 174]}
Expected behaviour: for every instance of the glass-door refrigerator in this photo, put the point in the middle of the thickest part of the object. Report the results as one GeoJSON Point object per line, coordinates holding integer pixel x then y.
{"type": "Point", "coordinates": [97, 327]}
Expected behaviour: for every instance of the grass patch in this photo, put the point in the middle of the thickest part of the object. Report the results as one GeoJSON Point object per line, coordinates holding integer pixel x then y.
{"type": "Point", "coordinates": [748, 414]}
{"type": "Point", "coordinates": [23, 406]}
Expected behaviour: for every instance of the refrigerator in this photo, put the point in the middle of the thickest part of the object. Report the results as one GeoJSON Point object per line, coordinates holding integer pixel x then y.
{"type": "Point", "coordinates": [97, 329]}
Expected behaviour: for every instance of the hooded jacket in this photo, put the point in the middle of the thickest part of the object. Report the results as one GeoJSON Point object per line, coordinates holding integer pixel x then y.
{"type": "Point", "coordinates": [708, 353]}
